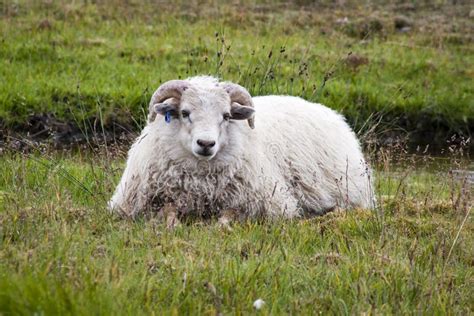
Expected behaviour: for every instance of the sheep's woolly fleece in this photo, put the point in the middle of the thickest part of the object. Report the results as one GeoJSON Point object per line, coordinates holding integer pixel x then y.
{"type": "Point", "coordinates": [301, 158]}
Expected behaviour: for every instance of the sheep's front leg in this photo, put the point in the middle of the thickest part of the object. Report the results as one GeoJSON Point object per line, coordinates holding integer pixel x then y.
{"type": "Point", "coordinates": [170, 214]}
{"type": "Point", "coordinates": [227, 217]}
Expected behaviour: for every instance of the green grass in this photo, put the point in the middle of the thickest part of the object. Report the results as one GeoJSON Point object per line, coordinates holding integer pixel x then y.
{"type": "Point", "coordinates": [83, 62]}
{"type": "Point", "coordinates": [61, 252]}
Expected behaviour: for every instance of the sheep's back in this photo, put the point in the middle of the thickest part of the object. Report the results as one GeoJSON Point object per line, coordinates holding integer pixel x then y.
{"type": "Point", "coordinates": [316, 150]}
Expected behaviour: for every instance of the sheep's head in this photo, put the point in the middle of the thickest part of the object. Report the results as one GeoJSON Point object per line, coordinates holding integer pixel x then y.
{"type": "Point", "coordinates": [202, 117]}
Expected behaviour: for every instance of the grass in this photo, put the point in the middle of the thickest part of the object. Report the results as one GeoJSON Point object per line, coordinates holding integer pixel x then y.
{"type": "Point", "coordinates": [86, 62]}
{"type": "Point", "coordinates": [61, 252]}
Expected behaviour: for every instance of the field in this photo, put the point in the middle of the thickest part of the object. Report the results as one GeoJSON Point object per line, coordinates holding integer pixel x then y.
{"type": "Point", "coordinates": [70, 69]}
{"type": "Point", "coordinates": [75, 80]}
{"type": "Point", "coordinates": [62, 252]}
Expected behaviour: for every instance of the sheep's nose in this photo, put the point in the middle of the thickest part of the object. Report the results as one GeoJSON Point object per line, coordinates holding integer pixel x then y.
{"type": "Point", "coordinates": [206, 144]}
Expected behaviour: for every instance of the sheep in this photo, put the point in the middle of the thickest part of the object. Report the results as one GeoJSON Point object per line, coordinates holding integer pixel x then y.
{"type": "Point", "coordinates": [209, 148]}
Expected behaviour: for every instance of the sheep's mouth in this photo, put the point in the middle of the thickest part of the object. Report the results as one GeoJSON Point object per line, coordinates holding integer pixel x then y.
{"type": "Point", "coordinates": [204, 154]}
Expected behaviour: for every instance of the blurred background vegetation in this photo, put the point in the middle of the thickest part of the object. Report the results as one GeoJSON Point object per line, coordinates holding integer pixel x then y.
{"type": "Point", "coordinates": [77, 70]}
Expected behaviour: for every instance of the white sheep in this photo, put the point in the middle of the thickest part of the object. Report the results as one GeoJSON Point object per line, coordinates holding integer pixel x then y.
{"type": "Point", "coordinates": [197, 155]}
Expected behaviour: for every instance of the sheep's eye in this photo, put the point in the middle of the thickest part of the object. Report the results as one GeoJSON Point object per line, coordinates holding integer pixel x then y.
{"type": "Point", "coordinates": [226, 116]}
{"type": "Point", "coordinates": [185, 114]}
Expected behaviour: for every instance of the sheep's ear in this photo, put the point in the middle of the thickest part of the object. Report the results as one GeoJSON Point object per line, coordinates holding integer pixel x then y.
{"type": "Point", "coordinates": [241, 112]}
{"type": "Point", "coordinates": [163, 108]}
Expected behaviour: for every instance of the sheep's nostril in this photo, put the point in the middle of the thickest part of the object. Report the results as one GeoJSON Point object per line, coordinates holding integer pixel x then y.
{"type": "Point", "coordinates": [206, 143]}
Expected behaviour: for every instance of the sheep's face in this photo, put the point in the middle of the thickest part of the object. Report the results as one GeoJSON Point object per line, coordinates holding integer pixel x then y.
{"type": "Point", "coordinates": [204, 118]}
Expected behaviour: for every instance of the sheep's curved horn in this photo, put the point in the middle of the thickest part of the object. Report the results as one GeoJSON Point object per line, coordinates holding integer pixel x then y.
{"type": "Point", "coordinates": [169, 89]}
{"type": "Point", "coordinates": [240, 95]}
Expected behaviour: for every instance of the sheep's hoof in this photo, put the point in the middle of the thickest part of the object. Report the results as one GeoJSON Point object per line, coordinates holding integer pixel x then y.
{"type": "Point", "coordinates": [170, 214]}
{"type": "Point", "coordinates": [226, 219]}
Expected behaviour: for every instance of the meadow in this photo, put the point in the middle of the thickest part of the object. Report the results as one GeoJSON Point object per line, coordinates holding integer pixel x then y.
{"type": "Point", "coordinates": [62, 252]}
{"type": "Point", "coordinates": [75, 81]}
{"type": "Point", "coordinates": [80, 67]}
